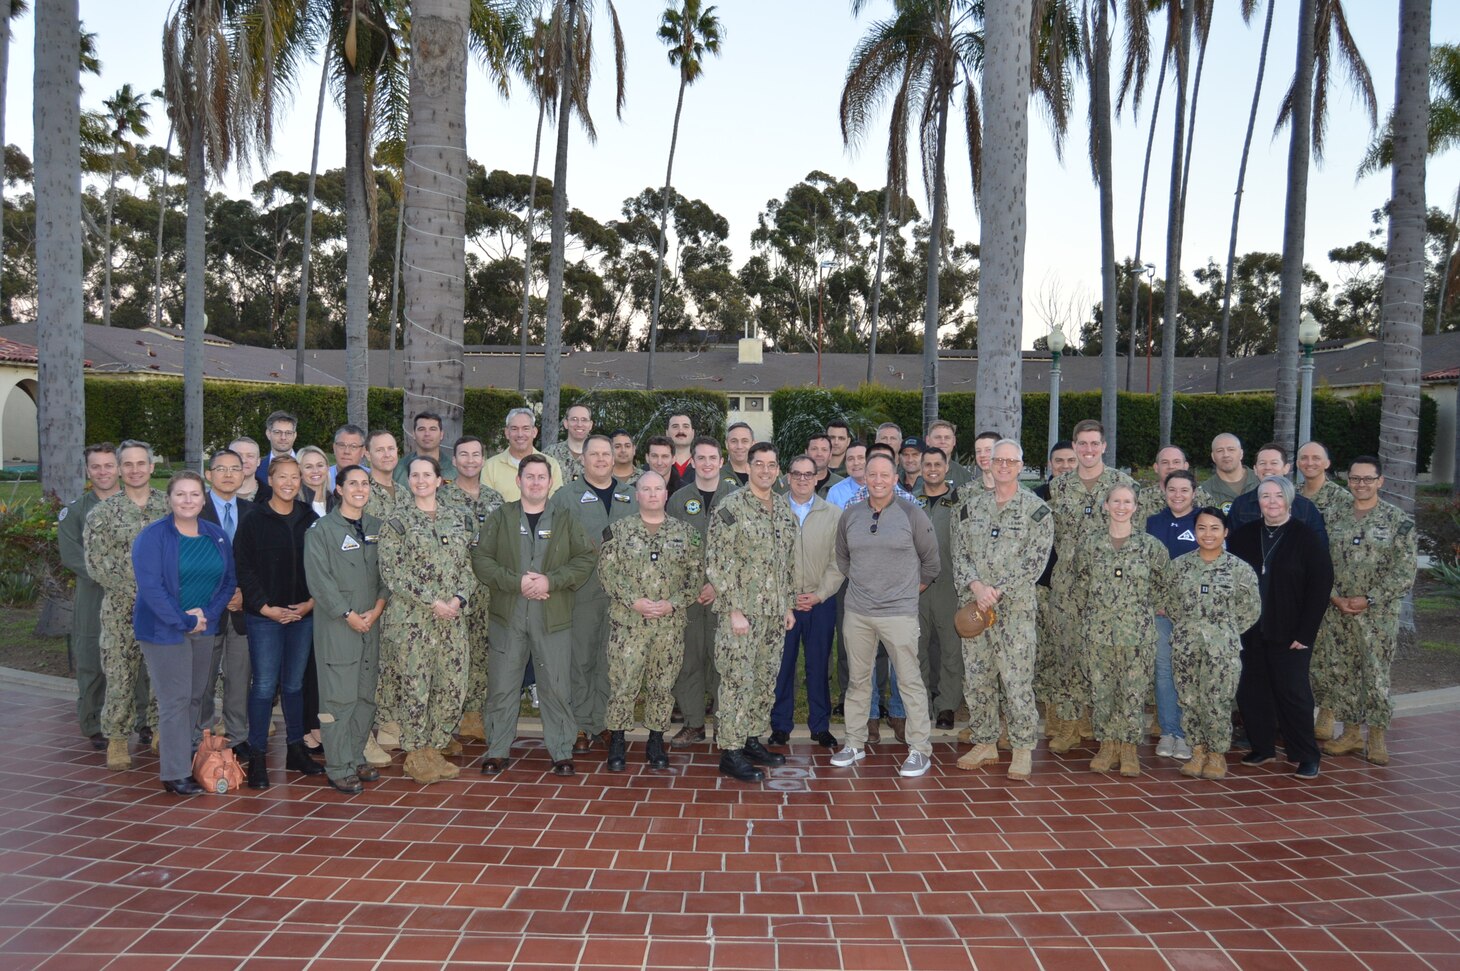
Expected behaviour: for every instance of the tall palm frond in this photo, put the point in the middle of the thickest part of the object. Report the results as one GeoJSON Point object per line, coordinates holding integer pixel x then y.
{"type": "Point", "coordinates": [1332, 38]}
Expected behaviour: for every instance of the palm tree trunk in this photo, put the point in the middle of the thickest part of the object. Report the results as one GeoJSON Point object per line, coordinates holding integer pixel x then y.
{"type": "Point", "coordinates": [1170, 322]}
{"type": "Point", "coordinates": [1135, 284]}
{"type": "Point", "coordinates": [434, 257]}
{"type": "Point", "coordinates": [106, 277]}
{"type": "Point", "coordinates": [877, 285]}
{"type": "Point", "coordinates": [663, 246]}
{"type": "Point", "coordinates": [1404, 266]}
{"type": "Point", "coordinates": [61, 411]}
{"type": "Point", "coordinates": [935, 262]}
{"type": "Point", "coordinates": [1295, 215]}
{"type": "Point", "coordinates": [1105, 176]}
{"type": "Point", "coordinates": [5, 18]}
{"type": "Point", "coordinates": [161, 224]}
{"type": "Point", "coordinates": [557, 257]}
{"type": "Point", "coordinates": [300, 326]}
{"type": "Point", "coordinates": [1444, 263]}
{"type": "Point", "coordinates": [527, 253]}
{"type": "Point", "coordinates": [357, 253]}
{"type": "Point", "coordinates": [1201, 60]}
{"type": "Point", "coordinates": [1237, 204]}
{"type": "Point", "coordinates": [195, 255]}
{"type": "Point", "coordinates": [400, 225]}
{"type": "Point", "coordinates": [997, 399]}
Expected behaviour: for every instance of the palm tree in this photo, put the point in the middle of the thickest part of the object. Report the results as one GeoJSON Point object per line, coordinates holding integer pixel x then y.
{"type": "Point", "coordinates": [1404, 267]}
{"type": "Point", "coordinates": [307, 243]}
{"type": "Point", "coordinates": [61, 405]}
{"type": "Point", "coordinates": [223, 63]}
{"type": "Point", "coordinates": [161, 225]}
{"type": "Point", "coordinates": [542, 68]}
{"type": "Point", "coordinates": [1170, 322]}
{"type": "Point", "coordinates": [573, 86]}
{"type": "Point", "coordinates": [11, 10]}
{"type": "Point", "coordinates": [1226, 324]}
{"type": "Point", "coordinates": [434, 256]}
{"type": "Point", "coordinates": [1322, 32]}
{"type": "Point", "coordinates": [1006, 84]}
{"type": "Point", "coordinates": [691, 33]}
{"type": "Point", "coordinates": [127, 112]}
{"type": "Point", "coordinates": [1096, 53]}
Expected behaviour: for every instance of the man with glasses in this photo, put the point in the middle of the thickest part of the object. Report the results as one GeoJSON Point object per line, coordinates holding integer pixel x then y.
{"type": "Point", "coordinates": [281, 429]}
{"type": "Point", "coordinates": [578, 425]}
{"type": "Point", "coordinates": [748, 562]}
{"type": "Point", "coordinates": [349, 450]}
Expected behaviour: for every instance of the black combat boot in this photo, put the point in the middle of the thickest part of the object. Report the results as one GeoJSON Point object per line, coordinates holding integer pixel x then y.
{"type": "Point", "coordinates": [258, 771]}
{"type": "Point", "coordinates": [734, 764]}
{"type": "Point", "coordinates": [616, 750]}
{"type": "Point", "coordinates": [654, 751]}
{"type": "Point", "coordinates": [297, 759]}
{"type": "Point", "coordinates": [761, 755]}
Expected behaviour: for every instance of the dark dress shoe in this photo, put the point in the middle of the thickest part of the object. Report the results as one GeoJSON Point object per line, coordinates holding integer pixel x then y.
{"type": "Point", "coordinates": [98, 741]}
{"type": "Point", "coordinates": [839, 710]}
{"type": "Point", "coordinates": [242, 752]}
{"type": "Point", "coordinates": [1255, 758]}
{"type": "Point", "coordinates": [899, 727]}
{"type": "Point", "coordinates": [367, 773]}
{"type": "Point", "coordinates": [945, 719]}
{"type": "Point", "coordinates": [313, 749]}
{"type": "Point", "coordinates": [258, 772]}
{"type": "Point", "coordinates": [734, 764]}
{"type": "Point", "coordinates": [297, 759]}
{"type": "Point", "coordinates": [826, 739]}
{"type": "Point", "coordinates": [350, 784]}
{"type": "Point", "coordinates": [780, 738]}
{"type": "Point", "coordinates": [582, 745]}
{"type": "Point", "coordinates": [564, 767]}
{"type": "Point", "coordinates": [494, 766]}
{"type": "Point", "coordinates": [617, 752]}
{"type": "Point", "coordinates": [760, 755]}
{"type": "Point", "coordinates": [182, 787]}
{"type": "Point", "coordinates": [144, 735]}
{"type": "Point", "coordinates": [654, 752]}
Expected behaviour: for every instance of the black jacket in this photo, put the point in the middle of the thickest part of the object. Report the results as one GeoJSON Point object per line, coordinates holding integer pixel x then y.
{"type": "Point", "coordinates": [1297, 584]}
{"type": "Point", "coordinates": [210, 513]}
{"type": "Point", "coordinates": [268, 552]}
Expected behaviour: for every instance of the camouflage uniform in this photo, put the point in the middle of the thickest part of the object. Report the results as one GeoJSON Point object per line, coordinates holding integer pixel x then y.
{"type": "Point", "coordinates": [382, 502]}
{"type": "Point", "coordinates": [1116, 593]}
{"type": "Point", "coordinates": [487, 501]}
{"type": "Point", "coordinates": [940, 651]}
{"type": "Point", "coordinates": [424, 559]}
{"type": "Point", "coordinates": [1373, 557]}
{"type": "Point", "coordinates": [1210, 605]}
{"type": "Point", "coordinates": [1330, 498]}
{"type": "Point", "coordinates": [665, 563]}
{"type": "Point", "coordinates": [748, 559]}
{"type": "Point", "coordinates": [1079, 512]}
{"type": "Point", "coordinates": [698, 676]}
{"type": "Point", "coordinates": [107, 538]}
{"type": "Point", "coordinates": [1005, 548]}
{"type": "Point", "coordinates": [572, 465]}
{"type": "Point", "coordinates": [588, 675]}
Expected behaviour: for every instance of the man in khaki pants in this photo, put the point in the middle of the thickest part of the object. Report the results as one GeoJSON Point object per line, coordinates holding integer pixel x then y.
{"type": "Point", "coordinates": [888, 551]}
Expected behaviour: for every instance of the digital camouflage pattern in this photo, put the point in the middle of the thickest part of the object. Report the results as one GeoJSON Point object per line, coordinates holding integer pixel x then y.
{"type": "Point", "coordinates": [1210, 606]}
{"type": "Point", "coordinates": [486, 502]}
{"type": "Point", "coordinates": [1116, 593]}
{"type": "Point", "coordinates": [1079, 512]}
{"type": "Point", "coordinates": [748, 560]}
{"type": "Point", "coordinates": [666, 563]}
{"type": "Point", "coordinates": [572, 465]}
{"type": "Point", "coordinates": [1375, 557]}
{"type": "Point", "coordinates": [110, 530]}
{"type": "Point", "coordinates": [424, 559]}
{"type": "Point", "coordinates": [1005, 548]}
{"type": "Point", "coordinates": [698, 677]}
{"type": "Point", "coordinates": [1330, 498]}
{"type": "Point", "coordinates": [381, 501]}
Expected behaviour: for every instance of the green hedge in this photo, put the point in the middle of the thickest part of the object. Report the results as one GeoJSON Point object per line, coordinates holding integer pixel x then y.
{"type": "Point", "coordinates": [1349, 426]}
{"type": "Point", "coordinates": [150, 409]}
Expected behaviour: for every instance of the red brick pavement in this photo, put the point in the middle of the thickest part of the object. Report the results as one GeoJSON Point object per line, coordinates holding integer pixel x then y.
{"type": "Point", "coordinates": [819, 869]}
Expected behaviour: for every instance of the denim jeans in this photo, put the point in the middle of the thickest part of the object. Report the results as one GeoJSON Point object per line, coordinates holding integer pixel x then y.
{"type": "Point", "coordinates": [895, 707]}
{"type": "Point", "coordinates": [1168, 708]}
{"type": "Point", "coordinates": [278, 654]}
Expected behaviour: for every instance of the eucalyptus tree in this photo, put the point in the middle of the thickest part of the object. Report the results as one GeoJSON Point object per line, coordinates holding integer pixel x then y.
{"type": "Point", "coordinates": [127, 113]}
{"type": "Point", "coordinates": [1323, 37]}
{"type": "Point", "coordinates": [1404, 269]}
{"type": "Point", "coordinates": [575, 65]}
{"type": "Point", "coordinates": [691, 30]}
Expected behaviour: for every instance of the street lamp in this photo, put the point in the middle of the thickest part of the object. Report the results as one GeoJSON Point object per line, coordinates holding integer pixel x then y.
{"type": "Point", "coordinates": [1150, 317]}
{"type": "Point", "coordinates": [1309, 331]}
{"type": "Point", "coordinates": [820, 326]}
{"type": "Point", "coordinates": [1056, 343]}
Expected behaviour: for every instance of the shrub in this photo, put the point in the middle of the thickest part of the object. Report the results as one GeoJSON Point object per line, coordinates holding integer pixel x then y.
{"type": "Point", "coordinates": [30, 559]}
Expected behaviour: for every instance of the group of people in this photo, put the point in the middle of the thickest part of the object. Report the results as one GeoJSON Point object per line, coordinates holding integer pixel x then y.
{"type": "Point", "coordinates": [390, 602]}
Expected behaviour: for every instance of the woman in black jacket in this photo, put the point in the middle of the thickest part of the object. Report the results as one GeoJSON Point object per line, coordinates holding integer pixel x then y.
{"type": "Point", "coordinates": [1294, 578]}
{"type": "Point", "coordinates": [268, 552]}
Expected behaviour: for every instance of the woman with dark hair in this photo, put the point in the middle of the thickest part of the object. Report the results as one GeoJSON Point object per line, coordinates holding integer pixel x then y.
{"type": "Point", "coordinates": [184, 570]}
{"type": "Point", "coordinates": [269, 554]}
{"type": "Point", "coordinates": [1174, 526]}
{"type": "Point", "coordinates": [1294, 578]}
{"type": "Point", "coordinates": [1211, 598]}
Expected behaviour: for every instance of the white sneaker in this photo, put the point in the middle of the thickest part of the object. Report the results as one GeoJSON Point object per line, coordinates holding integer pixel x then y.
{"type": "Point", "coordinates": [847, 756]}
{"type": "Point", "coordinates": [917, 763]}
{"type": "Point", "coordinates": [1166, 746]}
{"type": "Point", "coordinates": [1181, 750]}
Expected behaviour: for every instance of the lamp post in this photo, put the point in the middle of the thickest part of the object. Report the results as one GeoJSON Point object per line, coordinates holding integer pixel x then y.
{"type": "Point", "coordinates": [1309, 331]}
{"type": "Point", "coordinates": [1150, 317]}
{"type": "Point", "coordinates": [1056, 343]}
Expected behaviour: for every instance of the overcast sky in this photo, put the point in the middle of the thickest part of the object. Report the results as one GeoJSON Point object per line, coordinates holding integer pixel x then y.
{"type": "Point", "coordinates": [764, 114]}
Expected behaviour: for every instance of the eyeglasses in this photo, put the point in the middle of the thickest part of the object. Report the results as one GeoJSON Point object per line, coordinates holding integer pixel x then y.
{"type": "Point", "coordinates": [1364, 479]}
{"type": "Point", "coordinates": [801, 475]}
{"type": "Point", "coordinates": [876, 514]}
{"type": "Point", "coordinates": [229, 469]}
{"type": "Point", "coordinates": [765, 465]}
{"type": "Point", "coordinates": [1006, 462]}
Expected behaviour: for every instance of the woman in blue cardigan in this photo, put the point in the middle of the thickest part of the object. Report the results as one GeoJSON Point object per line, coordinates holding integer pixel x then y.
{"type": "Point", "coordinates": [184, 568]}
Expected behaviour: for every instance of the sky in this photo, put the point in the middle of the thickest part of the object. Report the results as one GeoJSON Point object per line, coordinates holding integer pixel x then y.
{"type": "Point", "coordinates": [764, 114]}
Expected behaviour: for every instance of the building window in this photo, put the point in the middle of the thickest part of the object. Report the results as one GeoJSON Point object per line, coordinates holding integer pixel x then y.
{"type": "Point", "coordinates": [754, 404]}
{"type": "Point", "coordinates": [734, 402]}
